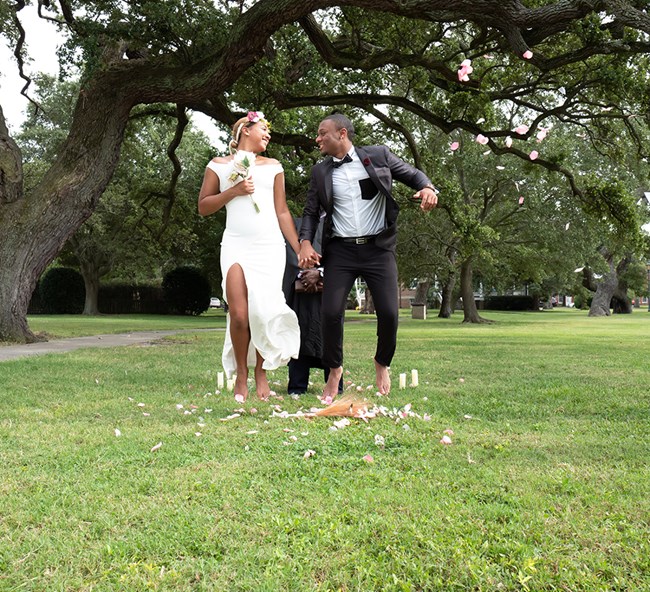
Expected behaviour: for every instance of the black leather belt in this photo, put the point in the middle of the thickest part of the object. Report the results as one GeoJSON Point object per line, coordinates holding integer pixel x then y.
{"type": "Point", "coordinates": [356, 240]}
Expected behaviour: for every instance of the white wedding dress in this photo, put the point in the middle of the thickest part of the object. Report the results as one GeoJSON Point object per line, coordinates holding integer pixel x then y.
{"type": "Point", "coordinates": [254, 240]}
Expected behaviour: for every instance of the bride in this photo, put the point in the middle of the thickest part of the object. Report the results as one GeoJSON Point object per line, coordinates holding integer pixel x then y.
{"type": "Point", "coordinates": [261, 330]}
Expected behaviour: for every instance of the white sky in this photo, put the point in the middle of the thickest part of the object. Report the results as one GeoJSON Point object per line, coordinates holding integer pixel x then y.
{"type": "Point", "coordinates": [42, 41]}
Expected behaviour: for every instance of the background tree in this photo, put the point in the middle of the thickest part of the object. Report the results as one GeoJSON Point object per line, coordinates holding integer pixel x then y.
{"type": "Point", "coordinates": [192, 53]}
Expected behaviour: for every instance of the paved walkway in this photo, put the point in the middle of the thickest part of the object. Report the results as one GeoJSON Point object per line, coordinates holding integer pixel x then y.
{"type": "Point", "coordinates": [11, 352]}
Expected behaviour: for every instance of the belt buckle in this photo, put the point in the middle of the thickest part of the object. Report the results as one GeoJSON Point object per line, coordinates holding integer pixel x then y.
{"type": "Point", "coordinates": [361, 240]}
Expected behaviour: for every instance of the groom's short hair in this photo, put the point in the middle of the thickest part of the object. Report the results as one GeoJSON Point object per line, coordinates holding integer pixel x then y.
{"type": "Point", "coordinates": [341, 122]}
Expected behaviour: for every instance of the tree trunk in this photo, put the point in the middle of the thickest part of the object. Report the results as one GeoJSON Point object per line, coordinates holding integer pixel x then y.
{"type": "Point", "coordinates": [604, 293]}
{"type": "Point", "coordinates": [368, 305]}
{"type": "Point", "coordinates": [621, 303]}
{"type": "Point", "coordinates": [421, 292]}
{"type": "Point", "coordinates": [447, 303]}
{"type": "Point", "coordinates": [470, 312]}
{"type": "Point", "coordinates": [94, 263]}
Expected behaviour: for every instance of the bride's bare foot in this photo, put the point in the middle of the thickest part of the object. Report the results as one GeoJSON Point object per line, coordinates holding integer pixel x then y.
{"type": "Point", "coordinates": [262, 384]}
{"type": "Point", "coordinates": [383, 378]}
{"type": "Point", "coordinates": [332, 385]}
{"type": "Point", "coordinates": [241, 387]}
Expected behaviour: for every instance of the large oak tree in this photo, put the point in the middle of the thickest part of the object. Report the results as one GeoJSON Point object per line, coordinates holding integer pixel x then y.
{"type": "Point", "coordinates": [192, 53]}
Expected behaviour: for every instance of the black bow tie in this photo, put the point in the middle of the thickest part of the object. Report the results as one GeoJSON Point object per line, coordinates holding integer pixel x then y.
{"type": "Point", "coordinates": [338, 163]}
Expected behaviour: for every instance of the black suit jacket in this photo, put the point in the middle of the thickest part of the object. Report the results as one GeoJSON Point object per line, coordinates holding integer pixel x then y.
{"type": "Point", "coordinates": [382, 166]}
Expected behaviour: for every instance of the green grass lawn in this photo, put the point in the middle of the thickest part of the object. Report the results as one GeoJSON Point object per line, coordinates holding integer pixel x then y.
{"type": "Point", "coordinates": [546, 485]}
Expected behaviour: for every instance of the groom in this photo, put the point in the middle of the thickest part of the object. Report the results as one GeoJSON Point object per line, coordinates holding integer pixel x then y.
{"type": "Point", "coordinates": [353, 187]}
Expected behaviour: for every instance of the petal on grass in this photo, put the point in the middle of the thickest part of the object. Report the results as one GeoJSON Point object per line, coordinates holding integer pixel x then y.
{"type": "Point", "coordinates": [309, 453]}
{"type": "Point", "coordinates": [368, 458]}
{"type": "Point", "coordinates": [446, 440]}
{"type": "Point", "coordinates": [156, 447]}
{"type": "Point", "coordinates": [117, 433]}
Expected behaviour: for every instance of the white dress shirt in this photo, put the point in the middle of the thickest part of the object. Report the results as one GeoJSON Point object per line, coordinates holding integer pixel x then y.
{"type": "Point", "coordinates": [354, 216]}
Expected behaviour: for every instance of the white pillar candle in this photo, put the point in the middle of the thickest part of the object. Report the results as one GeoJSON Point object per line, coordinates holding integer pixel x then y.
{"type": "Point", "coordinates": [414, 378]}
{"type": "Point", "coordinates": [220, 380]}
{"type": "Point", "coordinates": [402, 381]}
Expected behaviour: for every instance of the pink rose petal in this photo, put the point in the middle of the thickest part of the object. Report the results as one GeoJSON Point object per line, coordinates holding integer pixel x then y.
{"type": "Point", "coordinates": [521, 129]}
{"type": "Point", "coordinates": [521, 201]}
{"type": "Point", "coordinates": [446, 440]}
{"type": "Point", "coordinates": [449, 432]}
{"type": "Point", "coordinates": [240, 398]}
{"type": "Point", "coordinates": [368, 458]}
{"type": "Point", "coordinates": [541, 134]}
{"type": "Point", "coordinates": [481, 139]}
{"type": "Point", "coordinates": [454, 146]}
{"type": "Point", "coordinates": [533, 155]}
{"type": "Point", "coordinates": [527, 54]}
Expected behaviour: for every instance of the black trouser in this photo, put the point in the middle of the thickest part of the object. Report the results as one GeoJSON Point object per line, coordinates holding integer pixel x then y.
{"type": "Point", "coordinates": [344, 262]}
{"type": "Point", "coordinates": [299, 374]}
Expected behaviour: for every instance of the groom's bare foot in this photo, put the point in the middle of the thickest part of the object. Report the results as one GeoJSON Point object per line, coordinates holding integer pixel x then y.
{"type": "Point", "coordinates": [332, 385]}
{"type": "Point", "coordinates": [383, 378]}
{"type": "Point", "coordinates": [241, 387]}
{"type": "Point", "coordinates": [262, 384]}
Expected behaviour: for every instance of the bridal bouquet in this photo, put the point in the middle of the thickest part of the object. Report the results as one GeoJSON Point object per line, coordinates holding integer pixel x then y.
{"type": "Point", "coordinates": [243, 165]}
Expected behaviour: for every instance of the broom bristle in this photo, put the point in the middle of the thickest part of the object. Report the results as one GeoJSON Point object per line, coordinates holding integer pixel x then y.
{"type": "Point", "coordinates": [347, 406]}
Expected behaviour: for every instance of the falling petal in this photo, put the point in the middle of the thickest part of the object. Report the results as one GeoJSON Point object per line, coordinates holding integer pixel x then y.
{"type": "Point", "coordinates": [533, 155]}
{"type": "Point", "coordinates": [521, 201]}
{"type": "Point", "coordinates": [481, 120]}
{"type": "Point", "coordinates": [567, 226]}
{"type": "Point", "coordinates": [481, 139]}
{"type": "Point", "coordinates": [521, 130]}
{"type": "Point", "coordinates": [446, 440]}
{"type": "Point", "coordinates": [541, 135]}
{"type": "Point", "coordinates": [508, 141]}
{"type": "Point", "coordinates": [578, 270]}
{"type": "Point", "coordinates": [466, 63]}
{"type": "Point", "coordinates": [454, 146]}
{"type": "Point", "coordinates": [527, 54]}
{"type": "Point", "coordinates": [368, 458]}
{"type": "Point", "coordinates": [500, 168]}
{"type": "Point", "coordinates": [156, 447]}
{"type": "Point", "coordinates": [487, 152]}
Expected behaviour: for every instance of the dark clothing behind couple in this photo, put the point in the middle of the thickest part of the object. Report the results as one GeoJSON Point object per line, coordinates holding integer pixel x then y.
{"type": "Point", "coordinates": [307, 306]}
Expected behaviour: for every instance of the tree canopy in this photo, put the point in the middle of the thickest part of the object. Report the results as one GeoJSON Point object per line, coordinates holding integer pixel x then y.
{"type": "Point", "coordinates": [491, 69]}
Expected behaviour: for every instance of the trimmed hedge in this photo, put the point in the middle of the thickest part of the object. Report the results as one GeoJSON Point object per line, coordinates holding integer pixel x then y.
{"type": "Point", "coordinates": [62, 291]}
{"type": "Point", "coordinates": [187, 291]}
{"type": "Point", "coordinates": [509, 303]}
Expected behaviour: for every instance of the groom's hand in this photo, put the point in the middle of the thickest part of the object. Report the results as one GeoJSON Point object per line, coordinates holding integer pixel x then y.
{"type": "Point", "coordinates": [307, 257]}
{"type": "Point", "coordinates": [428, 197]}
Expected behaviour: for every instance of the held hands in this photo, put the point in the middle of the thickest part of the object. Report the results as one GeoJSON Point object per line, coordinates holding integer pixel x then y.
{"type": "Point", "coordinates": [307, 257]}
{"type": "Point", "coordinates": [428, 198]}
{"type": "Point", "coordinates": [310, 278]}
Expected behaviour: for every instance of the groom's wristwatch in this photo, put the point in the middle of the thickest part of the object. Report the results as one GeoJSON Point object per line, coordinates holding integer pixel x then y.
{"type": "Point", "coordinates": [429, 186]}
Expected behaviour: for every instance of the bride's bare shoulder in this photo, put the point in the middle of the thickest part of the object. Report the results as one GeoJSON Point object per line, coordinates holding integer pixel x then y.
{"type": "Point", "coordinates": [222, 159]}
{"type": "Point", "coordinates": [263, 160]}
